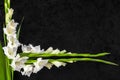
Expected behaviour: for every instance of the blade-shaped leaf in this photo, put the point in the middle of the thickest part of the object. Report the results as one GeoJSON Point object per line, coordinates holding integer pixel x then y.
{"type": "Point", "coordinates": [19, 28]}
{"type": "Point", "coordinates": [2, 64]}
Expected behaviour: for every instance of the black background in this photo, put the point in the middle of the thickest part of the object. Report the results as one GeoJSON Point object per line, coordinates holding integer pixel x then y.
{"type": "Point", "coordinates": [75, 25]}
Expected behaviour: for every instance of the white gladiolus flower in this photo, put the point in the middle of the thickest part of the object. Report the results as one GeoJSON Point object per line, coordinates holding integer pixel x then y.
{"type": "Point", "coordinates": [10, 11]}
{"type": "Point", "coordinates": [9, 31]}
{"type": "Point", "coordinates": [10, 52]}
{"type": "Point", "coordinates": [10, 28]}
{"type": "Point", "coordinates": [32, 49]}
{"type": "Point", "coordinates": [28, 69]}
{"type": "Point", "coordinates": [12, 41]}
{"type": "Point", "coordinates": [39, 64]}
{"type": "Point", "coordinates": [56, 51]}
{"type": "Point", "coordinates": [58, 64]}
{"type": "Point", "coordinates": [49, 50]}
{"type": "Point", "coordinates": [12, 24]}
{"type": "Point", "coordinates": [49, 65]}
{"type": "Point", "coordinates": [63, 51]}
{"type": "Point", "coordinates": [9, 14]}
{"type": "Point", "coordinates": [12, 46]}
{"type": "Point", "coordinates": [18, 62]}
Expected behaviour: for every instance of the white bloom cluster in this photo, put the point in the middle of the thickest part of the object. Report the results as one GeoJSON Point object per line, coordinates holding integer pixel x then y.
{"type": "Point", "coordinates": [56, 63]}
{"type": "Point", "coordinates": [18, 62]}
{"type": "Point", "coordinates": [32, 49]}
{"type": "Point", "coordinates": [12, 43]}
{"type": "Point", "coordinates": [36, 66]}
{"type": "Point", "coordinates": [40, 63]}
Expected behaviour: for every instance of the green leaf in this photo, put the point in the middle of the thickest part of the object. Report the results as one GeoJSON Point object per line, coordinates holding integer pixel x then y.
{"type": "Point", "coordinates": [2, 64]}
{"type": "Point", "coordinates": [19, 28]}
{"type": "Point", "coordinates": [5, 68]}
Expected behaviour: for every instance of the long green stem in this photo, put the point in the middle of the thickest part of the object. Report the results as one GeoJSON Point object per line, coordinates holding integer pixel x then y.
{"type": "Point", "coordinates": [63, 55]}
{"type": "Point", "coordinates": [70, 57]}
{"type": "Point", "coordinates": [76, 59]}
{"type": "Point", "coordinates": [85, 59]}
{"type": "Point", "coordinates": [9, 71]}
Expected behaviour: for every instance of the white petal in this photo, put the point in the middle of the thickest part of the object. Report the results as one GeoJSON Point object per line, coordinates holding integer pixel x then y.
{"type": "Point", "coordinates": [10, 52]}
{"type": "Point", "coordinates": [18, 62]}
{"type": "Point", "coordinates": [25, 49]}
{"type": "Point", "coordinates": [49, 65]}
{"type": "Point", "coordinates": [28, 69]}
{"type": "Point", "coordinates": [32, 49]}
{"type": "Point", "coordinates": [12, 41]}
{"type": "Point", "coordinates": [8, 31]}
{"type": "Point", "coordinates": [56, 51]}
{"type": "Point", "coordinates": [9, 14]}
{"type": "Point", "coordinates": [12, 24]}
{"type": "Point", "coordinates": [58, 64]}
{"type": "Point", "coordinates": [36, 49]}
{"type": "Point", "coordinates": [39, 64]}
{"type": "Point", "coordinates": [63, 51]}
{"type": "Point", "coordinates": [49, 50]}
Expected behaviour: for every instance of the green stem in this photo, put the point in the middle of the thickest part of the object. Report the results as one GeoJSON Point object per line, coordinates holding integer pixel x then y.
{"type": "Point", "coordinates": [5, 41]}
{"type": "Point", "coordinates": [68, 60]}
{"type": "Point", "coordinates": [46, 55]}
{"type": "Point", "coordinates": [86, 59]}
{"type": "Point", "coordinates": [9, 71]}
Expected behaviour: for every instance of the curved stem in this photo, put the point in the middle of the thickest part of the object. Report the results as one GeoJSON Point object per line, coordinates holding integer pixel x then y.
{"type": "Point", "coordinates": [69, 60]}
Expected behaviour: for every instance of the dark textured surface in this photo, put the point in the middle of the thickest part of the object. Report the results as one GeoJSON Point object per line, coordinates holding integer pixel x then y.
{"type": "Point", "coordinates": [77, 26]}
